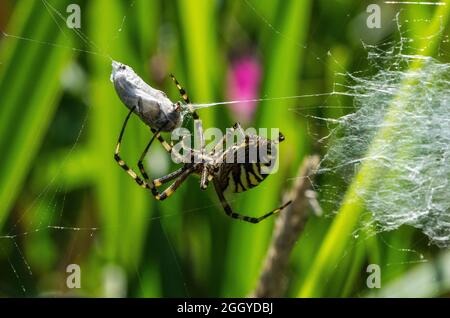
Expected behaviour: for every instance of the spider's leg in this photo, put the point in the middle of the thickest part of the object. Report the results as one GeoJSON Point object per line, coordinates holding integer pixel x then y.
{"type": "Point", "coordinates": [182, 173]}
{"type": "Point", "coordinates": [122, 163]}
{"type": "Point", "coordinates": [237, 151]}
{"type": "Point", "coordinates": [199, 129]}
{"type": "Point", "coordinates": [160, 138]}
{"type": "Point", "coordinates": [237, 127]}
{"type": "Point", "coordinates": [221, 144]}
{"type": "Point", "coordinates": [140, 163]}
{"type": "Point", "coordinates": [197, 122]}
{"type": "Point", "coordinates": [162, 180]}
{"type": "Point", "coordinates": [200, 158]}
{"type": "Point", "coordinates": [221, 147]}
{"type": "Point", "coordinates": [185, 97]}
{"type": "Point", "coordinates": [234, 215]}
{"type": "Point", "coordinates": [158, 182]}
{"type": "Point", "coordinates": [166, 145]}
{"type": "Point", "coordinates": [175, 185]}
{"type": "Point", "coordinates": [204, 178]}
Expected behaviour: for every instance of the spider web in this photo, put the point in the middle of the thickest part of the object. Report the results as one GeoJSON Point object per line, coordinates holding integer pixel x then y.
{"type": "Point", "coordinates": [420, 202]}
{"type": "Point", "coordinates": [412, 160]}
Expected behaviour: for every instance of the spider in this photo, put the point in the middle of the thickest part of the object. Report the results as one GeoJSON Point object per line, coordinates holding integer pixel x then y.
{"type": "Point", "coordinates": [238, 177]}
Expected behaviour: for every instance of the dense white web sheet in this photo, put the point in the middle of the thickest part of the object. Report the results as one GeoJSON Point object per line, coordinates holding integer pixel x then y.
{"type": "Point", "coordinates": [411, 160]}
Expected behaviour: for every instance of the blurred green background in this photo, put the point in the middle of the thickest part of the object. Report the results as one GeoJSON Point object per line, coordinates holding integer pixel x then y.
{"type": "Point", "coordinates": [64, 200]}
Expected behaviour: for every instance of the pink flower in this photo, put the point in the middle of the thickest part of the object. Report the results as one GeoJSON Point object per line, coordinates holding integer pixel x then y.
{"type": "Point", "coordinates": [244, 77]}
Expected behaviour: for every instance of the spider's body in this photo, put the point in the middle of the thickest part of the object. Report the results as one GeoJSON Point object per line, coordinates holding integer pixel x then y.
{"type": "Point", "coordinates": [240, 177]}
{"type": "Point", "coordinates": [243, 172]}
{"type": "Point", "coordinates": [248, 165]}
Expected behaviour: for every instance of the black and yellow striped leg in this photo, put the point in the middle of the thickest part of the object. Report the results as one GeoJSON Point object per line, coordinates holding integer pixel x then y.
{"type": "Point", "coordinates": [122, 163]}
{"type": "Point", "coordinates": [175, 185]}
{"type": "Point", "coordinates": [198, 127]}
{"type": "Point", "coordinates": [234, 215]}
{"type": "Point", "coordinates": [237, 127]}
{"type": "Point", "coordinates": [167, 146]}
{"type": "Point", "coordinates": [140, 163]}
{"type": "Point", "coordinates": [220, 147]}
{"type": "Point", "coordinates": [181, 174]}
{"type": "Point", "coordinates": [173, 175]}
{"type": "Point", "coordinates": [160, 138]}
{"type": "Point", "coordinates": [160, 181]}
{"type": "Point", "coordinates": [197, 122]}
{"type": "Point", "coordinates": [185, 97]}
{"type": "Point", "coordinates": [204, 174]}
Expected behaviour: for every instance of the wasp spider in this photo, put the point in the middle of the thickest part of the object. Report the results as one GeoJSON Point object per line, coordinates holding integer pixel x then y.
{"type": "Point", "coordinates": [235, 176]}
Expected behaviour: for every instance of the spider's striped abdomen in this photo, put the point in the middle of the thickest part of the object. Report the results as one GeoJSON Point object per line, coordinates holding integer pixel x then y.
{"type": "Point", "coordinates": [246, 173]}
{"type": "Point", "coordinates": [245, 176]}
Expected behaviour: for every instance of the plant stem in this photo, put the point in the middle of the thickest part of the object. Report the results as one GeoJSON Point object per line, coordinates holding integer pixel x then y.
{"type": "Point", "coordinates": [289, 225]}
